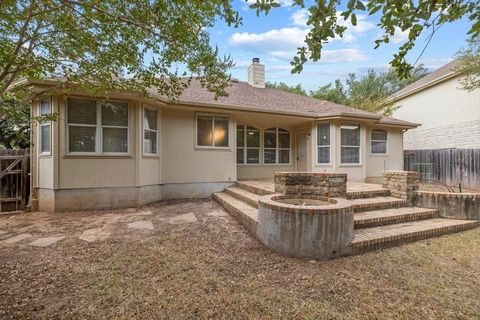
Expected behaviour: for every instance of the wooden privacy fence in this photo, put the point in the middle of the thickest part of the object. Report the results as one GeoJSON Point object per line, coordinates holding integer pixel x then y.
{"type": "Point", "coordinates": [450, 166]}
{"type": "Point", "coordinates": [14, 179]}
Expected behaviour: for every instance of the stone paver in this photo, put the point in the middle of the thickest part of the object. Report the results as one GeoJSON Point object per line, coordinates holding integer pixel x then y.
{"type": "Point", "coordinates": [47, 241]}
{"type": "Point", "coordinates": [3, 232]}
{"type": "Point", "coordinates": [217, 214]}
{"type": "Point", "coordinates": [17, 238]}
{"type": "Point", "coordinates": [143, 225]}
{"type": "Point", "coordinates": [93, 235]}
{"type": "Point", "coordinates": [183, 218]}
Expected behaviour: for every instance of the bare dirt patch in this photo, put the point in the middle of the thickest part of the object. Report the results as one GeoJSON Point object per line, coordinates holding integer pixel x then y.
{"type": "Point", "coordinates": [214, 269]}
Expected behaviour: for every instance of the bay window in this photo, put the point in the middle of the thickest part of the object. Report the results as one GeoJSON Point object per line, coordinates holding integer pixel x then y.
{"type": "Point", "coordinates": [350, 143]}
{"type": "Point", "coordinates": [323, 143]}
{"type": "Point", "coordinates": [248, 145]}
{"type": "Point", "coordinates": [276, 146]}
{"type": "Point", "coordinates": [150, 130]}
{"type": "Point", "coordinates": [97, 127]}
{"type": "Point", "coordinates": [378, 141]}
{"type": "Point", "coordinates": [45, 134]}
{"type": "Point", "coordinates": [212, 131]}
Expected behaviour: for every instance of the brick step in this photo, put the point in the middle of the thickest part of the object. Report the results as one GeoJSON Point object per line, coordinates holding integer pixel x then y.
{"type": "Point", "coordinates": [368, 219]}
{"type": "Point", "coordinates": [368, 194]}
{"type": "Point", "coordinates": [370, 239]}
{"type": "Point", "coordinates": [245, 213]}
{"type": "Point", "coordinates": [244, 195]}
{"type": "Point", "coordinates": [377, 203]}
{"type": "Point", "coordinates": [255, 188]}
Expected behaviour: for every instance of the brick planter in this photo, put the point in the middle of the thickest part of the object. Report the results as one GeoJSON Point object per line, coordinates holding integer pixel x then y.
{"type": "Point", "coordinates": [402, 184]}
{"type": "Point", "coordinates": [311, 183]}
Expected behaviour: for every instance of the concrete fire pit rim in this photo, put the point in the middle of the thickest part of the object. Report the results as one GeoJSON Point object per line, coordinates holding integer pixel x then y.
{"type": "Point", "coordinates": [338, 205]}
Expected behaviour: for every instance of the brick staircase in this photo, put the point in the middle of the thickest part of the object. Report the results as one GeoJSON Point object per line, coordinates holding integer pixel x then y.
{"type": "Point", "coordinates": [380, 220]}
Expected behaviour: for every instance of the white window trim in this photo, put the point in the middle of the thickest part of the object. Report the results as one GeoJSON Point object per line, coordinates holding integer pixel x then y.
{"type": "Point", "coordinates": [212, 147]}
{"type": "Point", "coordinates": [373, 140]}
{"type": "Point", "coordinates": [150, 130]}
{"type": "Point", "coordinates": [330, 127]}
{"type": "Point", "coordinates": [245, 147]}
{"type": "Point", "coordinates": [350, 164]}
{"type": "Point", "coordinates": [41, 125]}
{"type": "Point", "coordinates": [277, 148]}
{"type": "Point", "coordinates": [98, 132]}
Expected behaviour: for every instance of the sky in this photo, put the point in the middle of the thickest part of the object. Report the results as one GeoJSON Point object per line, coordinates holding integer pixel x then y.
{"type": "Point", "coordinates": [274, 39]}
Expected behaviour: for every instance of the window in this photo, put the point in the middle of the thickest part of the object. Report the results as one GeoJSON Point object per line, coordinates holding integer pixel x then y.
{"type": "Point", "coordinates": [212, 131]}
{"type": "Point", "coordinates": [97, 127]}
{"type": "Point", "coordinates": [276, 146]}
{"type": "Point", "coordinates": [323, 143]}
{"type": "Point", "coordinates": [379, 141]}
{"type": "Point", "coordinates": [248, 145]}
{"type": "Point", "coordinates": [45, 135]}
{"type": "Point", "coordinates": [350, 144]}
{"type": "Point", "coordinates": [150, 131]}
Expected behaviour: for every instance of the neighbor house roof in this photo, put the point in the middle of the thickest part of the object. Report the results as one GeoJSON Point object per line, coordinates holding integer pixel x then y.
{"type": "Point", "coordinates": [242, 96]}
{"type": "Point", "coordinates": [444, 73]}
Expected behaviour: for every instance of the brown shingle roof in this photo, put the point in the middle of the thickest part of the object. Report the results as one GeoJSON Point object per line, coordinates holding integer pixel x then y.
{"type": "Point", "coordinates": [245, 97]}
{"type": "Point", "coordinates": [441, 73]}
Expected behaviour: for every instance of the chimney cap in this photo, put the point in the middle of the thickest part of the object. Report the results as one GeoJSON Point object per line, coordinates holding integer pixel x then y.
{"type": "Point", "coordinates": [256, 60]}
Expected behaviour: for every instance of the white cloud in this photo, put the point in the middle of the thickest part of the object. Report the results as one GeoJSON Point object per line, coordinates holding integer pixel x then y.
{"type": "Point", "coordinates": [300, 17]}
{"type": "Point", "coordinates": [283, 44]}
{"type": "Point", "coordinates": [399, 36]}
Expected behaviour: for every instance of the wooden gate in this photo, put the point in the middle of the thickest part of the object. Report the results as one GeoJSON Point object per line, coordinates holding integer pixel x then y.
{"type": "Point", "coordinates": [14, 179]}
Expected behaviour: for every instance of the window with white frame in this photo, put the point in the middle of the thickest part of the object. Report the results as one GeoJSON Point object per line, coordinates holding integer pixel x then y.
{"type": "Point", "coordinates": [150, 130]}
{"type": "Point", "coordinates": [378, 141]}
{"type": "Point", "coordinates": [350, 143]}
{"type": "Point", "coordinates": [276, 146]}
{"type": "Point", "coordinates": [45, 134]}
{"type": "Point", "coordinates": [323, 143]}
{"type": "Point", "coordinates": [248, 145]}
{"type": "Point", "coordinates": [97, 127]}
{"type": "Point", "coordinates": [212, 131]}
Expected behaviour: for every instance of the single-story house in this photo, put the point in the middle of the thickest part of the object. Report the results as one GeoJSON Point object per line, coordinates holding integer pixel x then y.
{"type": "Point", "coordinates": [128, 151]}
{"type": "Point", "coordinates": [450, 116]}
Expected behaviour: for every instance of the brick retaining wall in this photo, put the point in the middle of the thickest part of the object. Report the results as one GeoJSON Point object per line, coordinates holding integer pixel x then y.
{"type": "Point", "coordinates": [451, 205]}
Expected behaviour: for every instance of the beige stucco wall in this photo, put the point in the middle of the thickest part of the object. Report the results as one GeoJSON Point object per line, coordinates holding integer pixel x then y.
{"type": "Point", "coordinates": [393, 160]}
{"type": "Point", "coordinates": [182, 161]}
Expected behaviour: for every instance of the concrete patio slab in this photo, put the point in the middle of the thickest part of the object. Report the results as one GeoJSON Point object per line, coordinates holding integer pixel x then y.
{"type": "Point", "coordinates": [93, 235]}
{"type": "Point", "coordinates": [142, 225]}
{"type": "Point", "coordinates": [183, 218]}
{"type": "Point", "coordinates": [47, 241]}
{"type": "Point", "coordinates": [17, 238]}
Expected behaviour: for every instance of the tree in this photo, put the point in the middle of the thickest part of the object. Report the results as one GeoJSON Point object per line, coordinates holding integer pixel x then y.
{"type": "Point", "coordinates": [110, 45]}
{"type": "Point", "coordinates": [331, 93]}
{"type": "Point", "coordinates": [468, 66]}
{"type": "Point", "coordinates": [369, 92]}
{"type": "Point", "coordinates": [417, 17]}
{"type": "Point", "coordinates": [297, 89]}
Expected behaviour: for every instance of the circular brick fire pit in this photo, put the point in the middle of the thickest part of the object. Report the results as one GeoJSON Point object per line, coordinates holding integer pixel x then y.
{"type": "Point", "coordinates": [305, 226]}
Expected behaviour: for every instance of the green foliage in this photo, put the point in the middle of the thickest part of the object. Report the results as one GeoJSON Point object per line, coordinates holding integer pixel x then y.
{"type": "Point", "coordinates": [113, 45]}
{"type": "Point", "coordinates": [368, 93]}
{"type": "Point", "coordinates": [418, 17]}
{"type": "Point", "coordinates": [16, 122]}
{"type": "Point", "coordinates": [469, 65]}
{"type": "Point", "coordinates": [297, 89]}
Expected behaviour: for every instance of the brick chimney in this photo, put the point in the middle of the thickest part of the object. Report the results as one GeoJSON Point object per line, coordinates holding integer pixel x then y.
{"type": "Point", "coordinates": [256, 74]}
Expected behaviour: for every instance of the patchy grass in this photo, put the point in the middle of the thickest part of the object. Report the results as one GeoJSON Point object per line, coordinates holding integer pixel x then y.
{"type": "Point", "coordinates": [215, 269]}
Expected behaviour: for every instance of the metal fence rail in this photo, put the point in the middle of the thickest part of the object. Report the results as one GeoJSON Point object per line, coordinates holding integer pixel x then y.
{"type": "Point", "coordinates": [14, 179]}
{"type": "Point", "coordinates": [450, 166]}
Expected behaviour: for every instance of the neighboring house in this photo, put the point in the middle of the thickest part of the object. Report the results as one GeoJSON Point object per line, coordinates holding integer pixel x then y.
{"type": "Point", "coordinates": [450, 116]}
{"type": "Point", "coordinates": [130, 151]}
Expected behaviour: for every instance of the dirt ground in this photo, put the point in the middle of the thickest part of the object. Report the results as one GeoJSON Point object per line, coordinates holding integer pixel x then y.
{"type": "Point", "coordinates": [162, 262]}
